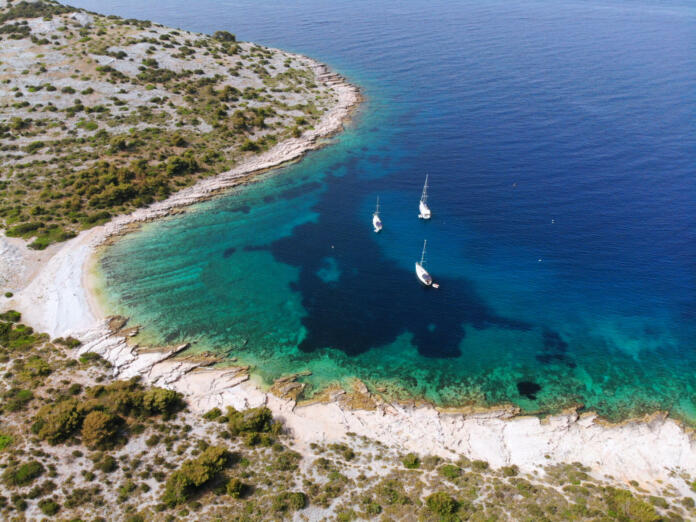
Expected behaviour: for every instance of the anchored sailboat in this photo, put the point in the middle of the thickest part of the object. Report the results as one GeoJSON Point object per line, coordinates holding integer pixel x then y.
{"type": "Point", "coordinates": [422, 274]}
{"type": "Point", "coordinates": [423, 205]}
{"type": "Point", "coordinates": [376, 222]}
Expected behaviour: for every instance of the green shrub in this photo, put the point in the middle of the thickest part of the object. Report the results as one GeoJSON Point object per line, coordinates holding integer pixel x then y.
{"type": "Point", "coordinates": [625, 506]}
{"type": "Point", "coordinates": [106, 464]}
{"type": "Point", "coordinates": [179, 165]}
{"type": "Point", "coordinates": [224, 36]}
{"type": "Point", "coordinates": [35, 366]}
{"type": "Point", "coordinates": [49, 507]}
{"type": "Point", "coordinates": [23, 474]}
{"type": "Point", "coordinates": [99, 429]}
{"type": "Point", "coordinates": [18, 399]}
{"type": "Point", "coordinates": [441, 503]}
{"type": "Point", "coordinates": [24, 229]}
{"type": "Point", "coordinates": [234, 487]}
{"type": "Point", "coordinates": [411, 461]}
{"type": "Point", "coordinates": [34, 146]}
{"type": "Point", "coordinates": [161, 401]}
{"type": "Point", "coordinates": [5, 441]}
{"type": "Point", "coordinates": [510, 471]}
{"type": "Point", "coordinates": [257, 420]}
{"type": "Point", "coordinates": [8, 294]}
{"type": "Point", "coordinates": [479, 465]}
{"type": "Point", "coordinates": [450, 471]}
{"type": "Point", "coordinates": [12, 316]}
{"type": "Point", "coordinates": [89, 357]}
{"type": "Point", "coordinates": [70, 342]}
{"type": "Point", "coordinates": [212, 414]}
{"type": "Point", "coordinates": [56, 422]}
{"type": "Point", "coordinates": [249, 145]}
{"type": "Point", "coordinates": [194, 474]}
{"type": "Point", "coordinates": [289, 501]}
{"type": "Point", "coordinates": [391, 492]}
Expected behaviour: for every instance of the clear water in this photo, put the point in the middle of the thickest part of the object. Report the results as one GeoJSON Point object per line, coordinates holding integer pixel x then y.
{"type": "Point", "coordinates": [561, 146]}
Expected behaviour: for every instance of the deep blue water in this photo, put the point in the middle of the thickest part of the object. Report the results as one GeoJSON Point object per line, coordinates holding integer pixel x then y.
{"type": "Point", "coordinates": [561, 147]}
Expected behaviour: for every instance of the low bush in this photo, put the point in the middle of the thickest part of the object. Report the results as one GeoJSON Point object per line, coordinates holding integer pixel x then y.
{"type": "Point", "coordinates": [479, 465]}
{"type": "Point", "coordinates": [212, 414]}
{"type": "Point", "coordinates": [254, 420]}
{"type": "Point", "coordinates": [5, 441]}
{"type": "Point", "coordinates": [411, 461]}
{"type": "Point", "coordinates": [234, 488]}
{"type": "Point", "coordinates": [441, 503]}
{"type": "Point", "coordinates": [194, 474]}
{"type": "Point", "coordinates": [22, 474]}
{"type": "Point", "coordinates": [289, 501]}
{"type": "Point", "coordinates": [450, 471]}
{"type": "Point", "coordinates": [49, 507]}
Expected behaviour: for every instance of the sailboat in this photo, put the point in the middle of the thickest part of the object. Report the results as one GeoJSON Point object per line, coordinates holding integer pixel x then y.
{"type": "Point", "coordinates": [376, 222]}
{"type": "Point", "coordinates": [423, 205]}
{"type": "Point", "coordinates": [422, 274]}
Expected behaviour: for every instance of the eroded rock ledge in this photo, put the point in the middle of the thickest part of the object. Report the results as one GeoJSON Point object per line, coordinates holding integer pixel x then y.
{"type": "Point", "coordinates": [653, 450]}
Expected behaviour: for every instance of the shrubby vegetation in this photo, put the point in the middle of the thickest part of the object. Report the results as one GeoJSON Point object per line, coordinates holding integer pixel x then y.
{"type": "Point", "coordinates": [72, 449]}
{"type": "Point", "coordinates": [74, 159]}
{"type": "Point", "coordinates": [194, 474]}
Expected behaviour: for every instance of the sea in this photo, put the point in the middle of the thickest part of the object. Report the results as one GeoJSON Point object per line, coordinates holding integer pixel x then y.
{"type": "Point", "coordinates": [560, 142]}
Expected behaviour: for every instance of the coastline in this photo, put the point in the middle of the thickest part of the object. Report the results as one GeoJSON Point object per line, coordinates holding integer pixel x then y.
{"type": "Point", "coordinates": [59, 298]}
{"type": "Point", "coordinates": [54, 298]}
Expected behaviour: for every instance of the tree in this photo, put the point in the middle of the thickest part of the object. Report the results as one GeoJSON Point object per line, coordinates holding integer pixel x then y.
{"type": "Point", "coordinates": [99, 429]}
{"type": "Point", "coordinates": [160, 400]}
{"type": "Point", "coordinates": [224, 36]}
{"type": "Point", "coordinates": [193, 474]}
{"type": "Point", "coordinates": [256, 420]}
{"type": "Point", "coordinates": [56, 422]}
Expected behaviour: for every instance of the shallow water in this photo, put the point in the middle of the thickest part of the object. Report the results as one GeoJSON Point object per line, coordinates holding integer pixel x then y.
{"type": "Point", "coordinates": [560, 143]}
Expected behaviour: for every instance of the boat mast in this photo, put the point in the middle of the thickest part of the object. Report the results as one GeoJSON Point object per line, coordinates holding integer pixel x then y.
{"type": "Point", "coordinates": [424, 196]}
{"type": "Point", "coordinates": [422, 261]}
{"type": "Point", "coordinates": [377, 209]}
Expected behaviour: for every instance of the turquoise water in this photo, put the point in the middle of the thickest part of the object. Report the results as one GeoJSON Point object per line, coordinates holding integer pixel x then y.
{"type": "Point", "coordinates": [560, 142]}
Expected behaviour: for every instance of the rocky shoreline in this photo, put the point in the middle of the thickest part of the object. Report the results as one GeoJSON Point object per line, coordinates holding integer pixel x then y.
{"type": "Point", "coordinates": [654, 450]}
{"type": "Point", "coordinates": [71, 307]}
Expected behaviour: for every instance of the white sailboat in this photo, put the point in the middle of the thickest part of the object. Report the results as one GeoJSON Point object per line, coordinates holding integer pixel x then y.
{"type": "Point", "coordinates": [376, 222]}
{"type": "Point", "coordinates": [422, 274]}
{"type": "Point", "coordinates": [423, 205]}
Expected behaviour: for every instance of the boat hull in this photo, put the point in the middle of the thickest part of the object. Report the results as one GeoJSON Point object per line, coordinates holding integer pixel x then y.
{"type": "Point", "coordinates": [424, 211]}
{"type": "Point", "coordinates": [376, 223]}
{"type": "Point", "coordinates": [423, 275]}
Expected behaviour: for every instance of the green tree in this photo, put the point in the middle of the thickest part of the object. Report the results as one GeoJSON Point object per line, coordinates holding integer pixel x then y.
{"type": "Point", "coordinates": [99, 429]}
{"type": "Point", "coordinates": [161, 400]}
{"type": "Point", "coordinates": [224, 36]}
{"type": "Point", "coordinates": [56, 422]}
{"type": "Point", "coordinates": [193, 474]}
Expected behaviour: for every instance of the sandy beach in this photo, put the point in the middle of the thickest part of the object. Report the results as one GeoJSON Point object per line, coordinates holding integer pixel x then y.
{"type": "Point", "coordinates": [52, 291]}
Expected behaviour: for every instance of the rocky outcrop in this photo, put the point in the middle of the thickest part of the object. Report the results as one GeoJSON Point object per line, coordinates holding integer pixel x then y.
{"type": "Point", "coordinates": [652, 450]}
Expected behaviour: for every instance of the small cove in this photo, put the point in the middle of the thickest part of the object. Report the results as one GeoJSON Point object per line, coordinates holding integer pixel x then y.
{"type": "Point", "coordinates": [563, 226]}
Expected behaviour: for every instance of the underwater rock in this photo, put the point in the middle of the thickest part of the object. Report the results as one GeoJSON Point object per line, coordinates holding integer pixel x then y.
{"type": "Point", "coordinates": [528, 389]}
